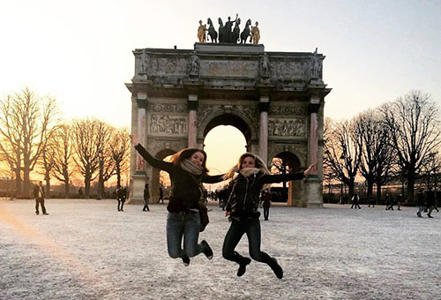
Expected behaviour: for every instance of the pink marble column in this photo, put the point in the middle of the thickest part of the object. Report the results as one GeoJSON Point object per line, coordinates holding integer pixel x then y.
{"type": "Point", "coordinates": [192, 120]}
{"type": "Point", "coordinates": [263, 128]}
{"type": "Point", "coordinates": [141, 127]}
{"type": "Point", "coordinates": [314, 105]}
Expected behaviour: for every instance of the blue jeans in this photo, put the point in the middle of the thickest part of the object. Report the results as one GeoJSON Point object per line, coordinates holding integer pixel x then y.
{"type": "Point", "coordinates": [250, 226]}
{"type": "Point", "coordinates": [183, 226]}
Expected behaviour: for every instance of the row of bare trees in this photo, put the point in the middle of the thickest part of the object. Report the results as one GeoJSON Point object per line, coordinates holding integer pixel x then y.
{"type": "Point", "coordinates": [35, 140]}
{"type": "Point", "coordinates": [400, 138]}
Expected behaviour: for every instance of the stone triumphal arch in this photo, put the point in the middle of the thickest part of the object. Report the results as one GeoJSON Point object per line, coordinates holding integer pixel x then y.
{"type": "Point", "coordinates": [275, 99]}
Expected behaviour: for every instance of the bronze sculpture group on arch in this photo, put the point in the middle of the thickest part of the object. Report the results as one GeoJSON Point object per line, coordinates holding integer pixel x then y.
{"type": "Point", "coordinates": [227, 34]}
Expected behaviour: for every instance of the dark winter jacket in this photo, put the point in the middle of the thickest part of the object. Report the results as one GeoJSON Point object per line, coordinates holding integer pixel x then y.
{"type": "Point", "coordinates": [420, 199]}
{"type": "Point", "coordinates": [185, 187]}
{"type": "Point", "coordinates": [430, 198]}
{"type": "Point", "coordinates": [146, 194]}
{"type": "Point", "coordinates": [121, 194]}
{"type": "Point", "coordinates": [36, 190]}
{"type": "Point", "coordinates": [244, 198]}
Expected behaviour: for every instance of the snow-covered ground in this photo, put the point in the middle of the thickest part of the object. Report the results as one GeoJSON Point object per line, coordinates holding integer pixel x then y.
{"type": "Point", "coordinates": [85, 249]}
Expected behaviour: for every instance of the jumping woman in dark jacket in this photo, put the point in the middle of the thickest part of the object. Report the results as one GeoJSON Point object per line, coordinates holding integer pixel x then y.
{"type": "Point", "coordinates": [242, 210]}
{"type": "Point", "coordinates": [187, 171]}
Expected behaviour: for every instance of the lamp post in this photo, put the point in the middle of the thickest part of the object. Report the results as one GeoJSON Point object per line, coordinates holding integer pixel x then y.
{"type": "Point", "coordinates": [99, 195]}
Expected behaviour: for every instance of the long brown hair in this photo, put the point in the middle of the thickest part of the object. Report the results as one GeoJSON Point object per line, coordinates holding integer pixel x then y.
{"type": "Point", "coordinates": [260, 164]}
{"type": "Point", "coordinates": [186, 153]}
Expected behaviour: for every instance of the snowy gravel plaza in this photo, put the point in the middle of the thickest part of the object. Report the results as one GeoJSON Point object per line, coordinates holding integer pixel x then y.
{"type": "Point", "coordinates": [86, 249]}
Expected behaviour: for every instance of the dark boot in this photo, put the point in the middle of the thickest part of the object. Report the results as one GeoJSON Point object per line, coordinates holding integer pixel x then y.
{"type": "Point", "coordinates": [207, 250]}
{"type": "Point", "coordinates": [185, 260]}
{"type": "Point", "coordinates": [243, 262]}
{"type": "Point", "coordinates": [272, 262]}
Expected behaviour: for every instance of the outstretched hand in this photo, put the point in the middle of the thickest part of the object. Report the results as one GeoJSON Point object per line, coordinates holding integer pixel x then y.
{"type": "Point", "coordinates": [309, 169]}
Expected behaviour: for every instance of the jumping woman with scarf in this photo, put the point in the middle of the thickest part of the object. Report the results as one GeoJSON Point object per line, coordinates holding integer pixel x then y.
{"type": "Point", "coordinates": [253, 175]}
{"type": "Point", "coordinates": [187, 171]}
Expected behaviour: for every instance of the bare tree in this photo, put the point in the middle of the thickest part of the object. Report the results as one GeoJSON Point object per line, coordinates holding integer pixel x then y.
{"type": "Point", "coordinates": [11, 140]}
{"type": "Point", "coordinates": [63, 156]}
{"type": "Point", "coordinates": [328, 175]}
{"type": "Point", "coordinates": [342, 153]}
{"type": "Point", "coordinates": [26, 119]}
{"type": "Point", "coordinates": [413, 123]}
{"type": "Point", "coordinates": [87, 147]}
{"type": "Point", "coordinates": [120, 152]}
{"type": "Point", "coordinates": [106, 166]}
{"type": "Point", "coordinates": [47, 163]}
{"type": "Point", "coordinates": [376, 153]}
{"type": "Point", "coordinates": [431, 169]}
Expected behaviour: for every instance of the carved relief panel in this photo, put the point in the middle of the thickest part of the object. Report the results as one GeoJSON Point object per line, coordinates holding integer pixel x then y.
{"type": "Point", "coordinates": [291, 70]}
{"type": "Point", "coordinates": [167, 119]}
{"type": "Point", "coordinates": [164, 66]}
{"type": "Point", "coordinates": [226, 68]}
{"type": "Point", "coordinates": [292, 127]}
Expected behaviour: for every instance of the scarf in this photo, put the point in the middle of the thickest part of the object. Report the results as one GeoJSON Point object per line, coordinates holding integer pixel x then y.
{"type": "Point", "coordinates": [249, 171]}
{"type": "Point", "coordinates": [191, 168]}
{"type": "Point", "coordinates": [253, 171]}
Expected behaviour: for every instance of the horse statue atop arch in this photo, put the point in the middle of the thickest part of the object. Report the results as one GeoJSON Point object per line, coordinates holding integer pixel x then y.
{"type": "Point", "coordinates": [221, 31]}
{"type": "Point", "coordinates": [246, 32]}
{"type": "Point", "coordinates": [211, 31]}
{"type": "Point", "coordinates": [236, 32]}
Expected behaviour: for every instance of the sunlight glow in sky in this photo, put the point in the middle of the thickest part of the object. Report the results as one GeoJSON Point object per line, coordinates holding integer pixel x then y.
{"type": "Point", "coordinates": [81, 51]}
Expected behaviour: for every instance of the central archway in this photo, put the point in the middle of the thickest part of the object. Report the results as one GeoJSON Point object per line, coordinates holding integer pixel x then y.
{"type": "Point", "coordinates": [232, 120]}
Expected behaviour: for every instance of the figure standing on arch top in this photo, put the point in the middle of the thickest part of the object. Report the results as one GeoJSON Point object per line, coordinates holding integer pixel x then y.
{"type": "Point", "coordinates": [228, 33]}
{"type": "Point", "coordinates": [201, 32]}
{"type": "Point", "coordinates": [255, 34]}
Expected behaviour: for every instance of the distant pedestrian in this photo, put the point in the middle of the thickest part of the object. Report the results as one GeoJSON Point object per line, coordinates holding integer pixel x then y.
{"type": "Point", "coordinates": [420, 202]}
{"type": "Point", "coordinates": [161, 195]}
{"type": "Point", "coordinates": [39, 194]}
{"type": "Point", "coordinates": [430, 201]}
{"type": "Point", "coordinates": [389, 202]}
{"type": "Point", "coordinates": [371, 201]}
{"type": "Point", "coordinates": [121, 195]}
{"type": "Point", "coordinates": [356, 201]}
{"type": "Point", "coordinates": [146, 198]}
{"type": "Point", "coordinates": [266, 203]}
{"type": "Point", "coordinates": [399, 200]}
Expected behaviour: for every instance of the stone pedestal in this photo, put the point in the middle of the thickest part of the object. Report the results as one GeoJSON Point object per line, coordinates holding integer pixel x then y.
{"type": "Point", "coordinates": [313, 193]}
{"type": "Point", "coordinates": [306, 193]}
{"type": "Point", "coordinates": [137, 188]}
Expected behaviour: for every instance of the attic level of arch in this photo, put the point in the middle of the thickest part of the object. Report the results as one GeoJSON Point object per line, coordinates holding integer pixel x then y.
{"type": "Point", "coordinates": [216, 71]}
